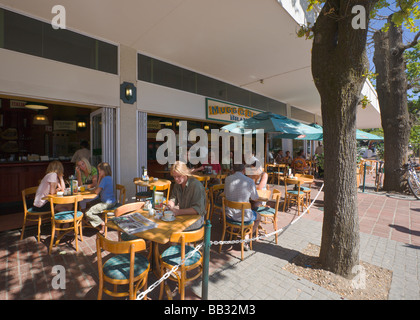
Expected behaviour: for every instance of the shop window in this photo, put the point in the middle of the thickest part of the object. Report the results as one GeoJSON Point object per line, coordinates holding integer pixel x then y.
{"type": "Point", "coordinates": [34, 37]}
{"type": "Point", "coordinates": [211, 87]}
{"type": "Point", "coordinates": [22, 34]}
{"type": "Point", "coordinates": [69, 47]}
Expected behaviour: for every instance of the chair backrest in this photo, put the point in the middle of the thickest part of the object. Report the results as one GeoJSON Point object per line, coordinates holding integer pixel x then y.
{"type": "Point", "coordinates": [188, 236]}
{"type": "Point", "coordinates": [294, 182]}
{"type": "Point", "coordinates": [235, 205]}
{"type": "Point", "coordinates": [163, 187]}
{"type": "Point", "coordinates": [127, 208]}
{"type": "Point", "coordinates": [203, 179]}
{"type": "Point", "coordinates": [28, 192]}
{"type": "Point", "coordinates": [216, 188]}
{"type": "Point", "coordinates": [221, 177]}
{"type": "Point", "coordinates": [67, 199]}
{"type": "Point", "coordinates": [121, 193]}
{"type": "Point", "coordinates": [119, 247]}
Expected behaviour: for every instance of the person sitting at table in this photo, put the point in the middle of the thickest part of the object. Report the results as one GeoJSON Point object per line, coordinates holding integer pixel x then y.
{"type": "Point", "coordinates": [240, 188]}
{"type": "Point", "coordinates": [52, 182]}
{"type": "Point", "coordinates": [299, 163]}
{"type": "Point", "coordinates": [287, 159]}
{"type": "Point", "coordinates": [86, 174]}
{"type": "Point", "coordinates": [279, 157]}
{"type": "Point", "coordinates": [187, 195]}
{"type": "Point", "coordinates": [260, 178]}
{"type": "Point", "coordinates": [107, 199]}
{"type": "Point", "coordinates": [83, 152]}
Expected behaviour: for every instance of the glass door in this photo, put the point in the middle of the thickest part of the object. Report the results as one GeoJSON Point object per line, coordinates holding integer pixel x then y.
{"type": "Point", "coordinates": [103, 138]}
{"type": "Point", "coordinates": [96, 136]}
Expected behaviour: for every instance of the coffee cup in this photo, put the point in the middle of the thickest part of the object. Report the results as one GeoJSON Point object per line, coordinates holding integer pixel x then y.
{"type": "Point", "coordinates": [60, 193]}
{"type": "Point", "coordinates": [168, 215]}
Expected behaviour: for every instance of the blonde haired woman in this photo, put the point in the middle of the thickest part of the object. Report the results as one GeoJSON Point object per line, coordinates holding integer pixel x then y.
{"type": "Point", "coordinates": [51, 183]}
{"type": "Point", "coordinates": [188, 196]}
{"type": "Point", "coordinates": [85, 173]}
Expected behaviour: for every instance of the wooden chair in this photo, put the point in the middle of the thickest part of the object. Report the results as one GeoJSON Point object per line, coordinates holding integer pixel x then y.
{"type": "Point", "coordinates": [72, 218]}
{"type": "Point", "coordinates": [236, 228]}
{"type": "Point", "coordinates": [124, 209]}
{"type": "Point", "coordinates": [306, 190]}
{"type": "Point", "coordinates": [281, 172]}
{"type": "Point", "coordinates": [141, 195]}
{"type": "Point", "coordinates": [121, 201]}
{"type": "Point", "coordinates": [126, 266]}
{"type": "Point", "coordinates": [29, 214]}
{"type": "Point", "coordinates": [203, 179]}
{"type": "Point", "coordinates": [271, 171]}
{"type": "Point", "coordinates": [221, 177]}
{"type": "Point", "coordinates": [296, 196]}
{"type": "Point", "coordinates": [165, 187]}
{"type": "Point", "coordinates": [216, 199]}
{"type": "Point", "coordinates": [175, 254]}
{"type": "Point", "coordinates": [268, 214]}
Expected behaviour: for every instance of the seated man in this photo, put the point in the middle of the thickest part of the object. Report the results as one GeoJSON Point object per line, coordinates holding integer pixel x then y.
{"type": "Point", "coordinates": [240, 188]}
{"type": "Point", "coordinates": [188, 196]}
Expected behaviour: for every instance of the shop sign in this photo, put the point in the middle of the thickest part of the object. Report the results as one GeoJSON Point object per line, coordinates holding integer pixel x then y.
{"type": "Point", "coordinates": [17, 104]}
{"type": "Point", "coordinates": [61, 125]}
{"type": "Point", "coordinates": [223, 111]}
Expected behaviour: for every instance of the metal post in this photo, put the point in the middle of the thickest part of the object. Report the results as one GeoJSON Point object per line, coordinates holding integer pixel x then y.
{"type": "Point", "coordinates": [206, 261]}
{"type": "Point", "coordinates": [364, 176]}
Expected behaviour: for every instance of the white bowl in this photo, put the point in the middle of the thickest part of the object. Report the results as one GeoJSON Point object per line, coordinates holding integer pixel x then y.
{"type": "Point", "coordinates": [60, 193]}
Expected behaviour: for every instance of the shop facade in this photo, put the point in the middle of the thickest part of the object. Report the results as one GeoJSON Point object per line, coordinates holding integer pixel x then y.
{"type": "Point", "coordinates": [126, 95]}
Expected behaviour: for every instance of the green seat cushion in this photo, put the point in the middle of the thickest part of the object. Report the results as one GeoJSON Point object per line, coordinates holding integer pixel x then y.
{"type": "Point", "coordinates": [67, 215]}
{"type": "Point", "coordinates": [118, 267]}
{"type": "Point", "coordinates": [238, 223]}
{"type": "Point", "coordinates": [266, 210]}
{"type": "Point", "coordinates": [172, 255]}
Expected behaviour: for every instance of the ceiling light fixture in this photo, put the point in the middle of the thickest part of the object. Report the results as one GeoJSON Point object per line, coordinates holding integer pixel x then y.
{"type": "Point", "coordinates": [35, 106]}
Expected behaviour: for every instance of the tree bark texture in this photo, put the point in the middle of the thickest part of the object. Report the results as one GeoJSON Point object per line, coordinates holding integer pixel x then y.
{"type": "Point", "coordinates": [339, 62]}
{"type": "Point", "coordinates": [391, 86]}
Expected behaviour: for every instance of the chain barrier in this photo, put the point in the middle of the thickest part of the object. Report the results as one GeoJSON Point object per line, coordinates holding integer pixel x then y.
{"type": "Point", "coordinates": [198, 247]}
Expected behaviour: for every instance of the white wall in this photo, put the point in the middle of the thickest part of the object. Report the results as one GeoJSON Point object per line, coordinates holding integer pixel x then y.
{"type": "Point", "coordinates": [34, 77]}
{"type": "Point", "coordinates": [157, 99]}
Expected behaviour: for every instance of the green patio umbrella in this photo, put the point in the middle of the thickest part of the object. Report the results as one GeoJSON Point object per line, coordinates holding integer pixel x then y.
{"type": "Point", "coordinates": [270, 122]}
{"type": "Point", "coordinates": [360, 134]}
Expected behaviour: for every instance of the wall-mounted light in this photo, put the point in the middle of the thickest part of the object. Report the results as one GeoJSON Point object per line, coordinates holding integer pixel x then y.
{"type": "Point", "coordinates": [206, 127]}
{"type": "Point", "coordinates": [166, 123]}
{"type": "Point", "coordinates": [128, 92]}
{"type": "Point", "coordinates": [81, 124]}
{"type": "Point", "coordinates": [35, 106]}
{"type": "Point", "coordinates": [40, 119]}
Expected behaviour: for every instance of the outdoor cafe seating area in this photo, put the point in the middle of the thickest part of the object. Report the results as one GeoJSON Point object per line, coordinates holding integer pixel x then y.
{"type": "Point", "coordinates": [153, 251]}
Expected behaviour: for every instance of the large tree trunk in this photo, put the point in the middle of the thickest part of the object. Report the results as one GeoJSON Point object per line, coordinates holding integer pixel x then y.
{"type": "Point", "coordinates": [391, 86]}
{"type": "Point", "coordinates": [339, 62]}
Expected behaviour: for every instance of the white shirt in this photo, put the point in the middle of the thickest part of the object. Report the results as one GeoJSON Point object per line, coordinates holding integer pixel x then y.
{"type": "Point", "coordinates": [239, 188]}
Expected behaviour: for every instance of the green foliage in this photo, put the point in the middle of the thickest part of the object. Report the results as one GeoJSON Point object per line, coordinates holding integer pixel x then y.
{"type": "Point", "coordinates": [412, 58]}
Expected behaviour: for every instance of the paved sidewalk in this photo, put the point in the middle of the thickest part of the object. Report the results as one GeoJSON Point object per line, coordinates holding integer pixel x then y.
{"type": "Point", "coordinates": [390, 238]}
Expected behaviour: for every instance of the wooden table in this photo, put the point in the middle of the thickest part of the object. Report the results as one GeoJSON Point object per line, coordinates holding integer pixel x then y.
{"type": "Point", "coordinates": [88, 194]}
{"type": "Point", "coordinates": [152, 183]}
{"type": "Point", "coordinates": [162, 233]}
